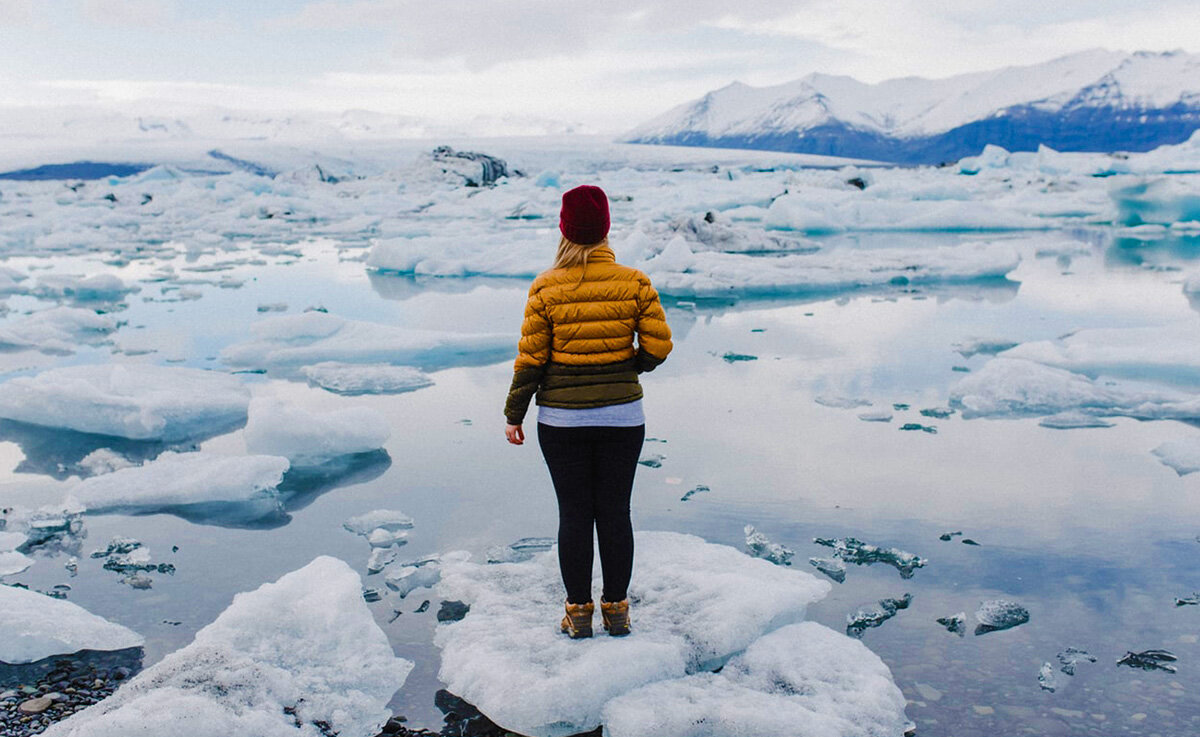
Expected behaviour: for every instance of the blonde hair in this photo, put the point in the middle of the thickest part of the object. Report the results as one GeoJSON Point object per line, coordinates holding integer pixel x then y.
{"type": "Point", "coordinates": [571, 253]}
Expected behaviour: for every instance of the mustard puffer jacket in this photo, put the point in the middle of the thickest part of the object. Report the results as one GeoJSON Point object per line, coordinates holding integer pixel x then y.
{"type": "Point", "coordinates": [577, 340]}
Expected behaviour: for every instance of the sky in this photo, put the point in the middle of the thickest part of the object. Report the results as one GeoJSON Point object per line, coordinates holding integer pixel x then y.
{"type": "Point", "coordinates": [604, 66]}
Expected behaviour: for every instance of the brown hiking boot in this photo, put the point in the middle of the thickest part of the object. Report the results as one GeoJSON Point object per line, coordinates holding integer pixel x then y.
{"type": "Point", "coordinates": [616, 617]}
{"type": "Point", "coordinates": [578, 621]}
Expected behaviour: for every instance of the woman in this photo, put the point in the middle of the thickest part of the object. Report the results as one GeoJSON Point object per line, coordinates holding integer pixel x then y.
{"type": "Point", "coordinates": [577, 354]}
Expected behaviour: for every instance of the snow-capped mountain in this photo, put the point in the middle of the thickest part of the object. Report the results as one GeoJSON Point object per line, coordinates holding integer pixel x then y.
{"type": "Point", "coordinates": [1094, 100]}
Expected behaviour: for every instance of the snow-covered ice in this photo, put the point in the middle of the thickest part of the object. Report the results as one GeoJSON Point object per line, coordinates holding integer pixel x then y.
{"type": "Point", "coordinates": [278, 428]}
{"type": "Point", "coordinates": [293, 341]}
{"type": "Point", "coordinates": [37, 626]}
{"type": "Point", "coordinates": [803, 679]}
{"type": "Point", "coordinates": [695, 605]}
{"type": "Point", "coordinates": [182, 479]}
{"type": "Point", "coordinates": [1168, 353]}
{"type": "Point", "coordinates": [12, 563]}
{"type": "Point", "coordinates": [301, 657]}
{"type": "Point", "coordinates": [350, 378]}
{"type": "Point", "coordinates": [137, 401]}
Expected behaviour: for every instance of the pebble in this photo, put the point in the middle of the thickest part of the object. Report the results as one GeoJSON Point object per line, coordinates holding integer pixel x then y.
{"type": "Point", "coordinates": [983, 711]}
{"type": "Point", "coordinates": [929, 693]}
{"type": "Point", "coordinates": [35, 706]}
{"type": "Point", "coordinates": [1138, 717]}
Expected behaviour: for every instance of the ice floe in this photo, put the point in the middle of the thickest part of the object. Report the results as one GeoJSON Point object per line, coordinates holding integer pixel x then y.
{"type": "Point", "coordinates": [378, 519]}
{"type": "Point", "coordinates": [175, 480]}
{"type": "Point", "coordinates": [58, 330]}
{"type": "Point", "coordinates": [868, 617]}
{"type": "Point", "coordinates": [278, 428]}
{"type": "Point", "coordinates": [137, 401]}
{"type": "Point", "coordinates": [293, 341]}
{"type": "Point", "coordinates": [804, 680]}
{"type": "Point", "coordinates": [350, 378]}
{"type": "Point", "coordinates": [300, 657]}
{"type": "Point", "coordinates": [1168, 353]}
{"type": "Point", "coordinates": [38, 626]}
{"type": "Point", "coordinates": [1011, 387]}
{"type": "Point", "coordinates": [999, 614]}
{"type": "Point", "coordinates": [1181, 455]}
{"type": "Point", "coordinates": [695, 605]}
{"type": "Point", "coordinates": [853, 550]}
{"type": "Point", "coordinates": [679, 271]}
{"type": "Point", "coordinates": [760, 546]}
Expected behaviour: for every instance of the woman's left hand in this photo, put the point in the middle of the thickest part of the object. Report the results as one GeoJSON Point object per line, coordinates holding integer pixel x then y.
{"type": "Point", "coordinates": [515, 434]}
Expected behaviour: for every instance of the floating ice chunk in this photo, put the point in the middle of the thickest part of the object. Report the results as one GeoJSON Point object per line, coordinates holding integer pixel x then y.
{"type": "Point", "coordinates": [652, 460]}
{"type": "Point", "coordinates": [1162, 200]}
{"type": "Point", "coordinates": [992, 157]}
{"type": "Point", "coordinates": [97, 288]}
{"type": "Point", "coordinates": [1193, 600]}
{"type": "Point", "coordinates": [760, 546]}
{"type": "Point", "coordinates": [999, 614]}
{"type": "Point", "coordinates": [698, 489]}
{"type": "Point", "coordinates": [288, 341]}
{"type": "Point", "coordinates": [712, 274]}
{"type": "Point", "coordinates": [939, 413]}
{"type": "Point", "coordinates": [853, 550]}
{"type": "Point", "coordinates": [10, 541]}
{"type": "Point", "coordinates": [912, 426]}
{"type": "Point", "coordinates": [306, 438]}
{"type": "Point", "coordinates": [408, 579]}
{"type": "Point", "coordinates": [12, 563]}
{"type": "Point", "coordinates": [1168, 353]}
{"type": "Point", "coordinates": [1181, 455]}
{"type": "Point", "coordinates": [831, 567]}
{"type": "Point", "coordinates": [103, 460]}
{"type": "Point", "coordinates": [1014, 387]}
{"type": "Point", "coordinates": [868, 617]}
{"type": "Point", "coordinates": [804, 680]}
{"type": "Point", "coordinates": [380, 559]}
{"type": "Point", "coordinates": [1073, 420]}
{"type": "Point", "coordinates": [58, 330]}
{"type": "Point", "coordinates": [37, 626]}
{"type": "Point", "coordinates": [1047, 680]}
{"type": "Point", "coordinates": [521, 550]}
{"type": "Point", "coordinates": [137, 401]}
{"type": "Point", "coordinates": [1149, 660]}
{"type": "Point", "coordinates": [118, 546]}
{"type": "Point", "coordinates": [349, 378]}
{"type": "Point", "coordinates": [301, 657]}
{"type": "Point", "coordinates": [956, 623]}
{"type": "Point", "coordinates": [379, 519]}
{"type": "Point", "coordinates": [876, 415]}
{"type": "Point", "coordinates": [381, 538]}
{"type": "Point", "coordinates": [1070, 658]}
{"type": "Point", "coordinates": [181, 479]}
{"type": "Point", "coordinates": [695, 605]}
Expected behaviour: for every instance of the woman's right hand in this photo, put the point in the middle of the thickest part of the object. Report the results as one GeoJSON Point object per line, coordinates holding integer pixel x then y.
{"type": "Point", "coordinates": [515, 434]}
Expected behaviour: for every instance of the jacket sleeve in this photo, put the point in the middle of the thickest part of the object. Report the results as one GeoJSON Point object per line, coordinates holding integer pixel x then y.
{"type": "Point", "coordinates": [653, 333]}
{"type": "Point", "coordinates": [533, 351]}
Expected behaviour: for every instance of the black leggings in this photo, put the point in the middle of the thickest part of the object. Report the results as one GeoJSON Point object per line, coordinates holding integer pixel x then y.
{"type": "Point", "coordinates": [592, 469]}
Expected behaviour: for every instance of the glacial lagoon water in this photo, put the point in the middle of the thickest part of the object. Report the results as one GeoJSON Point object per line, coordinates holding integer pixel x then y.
{"type": "Point", "coordinates": [1085, 528]}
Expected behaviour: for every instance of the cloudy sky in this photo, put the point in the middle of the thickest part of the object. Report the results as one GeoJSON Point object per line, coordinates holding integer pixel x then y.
{"type": "Point", "coordinates": [608, 65]}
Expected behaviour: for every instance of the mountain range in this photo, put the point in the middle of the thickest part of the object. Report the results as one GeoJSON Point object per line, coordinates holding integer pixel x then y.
{"type": "Point", "coordinates": [1095, 100]}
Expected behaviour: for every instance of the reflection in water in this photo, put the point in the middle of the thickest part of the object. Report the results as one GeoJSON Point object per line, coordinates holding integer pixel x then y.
{"type": "Point", "coordinates": [56, 452]}
{"type": "Point", "coordinates": [401, 287]}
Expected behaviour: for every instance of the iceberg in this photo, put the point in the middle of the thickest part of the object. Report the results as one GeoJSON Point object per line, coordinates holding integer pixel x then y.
{"type": "Point", "coordinates": [301, 657]}
{"type": "Point", "coordinates": [57, 331]}
{"type": "Point", "coordinates": [695, 605]}
{"type": "Point", "coordinates": [277, 428]}
{"type": "Point", "coordinates": [294, 341]}
{"type": "Point", "coordinates": [179, 480]}
{"type": "Point", "coordinates": [1161, 200]}
{"type": "Point", "coordinates": [1012, 387]}
{"type": "Point", "coordinates": [38, 626]}
{"type": "Point", "coordinates": [136, 401]}
{"type": "Point", "coordinates": [1168, 353]}
{"type": "Point", "coordinates": [351, 379]}
{"type": "Point", "coordinates": [803, 680]}
{"type": "Point", "coordinates": [680, 272]}
{"type": "Point", "coordinates": [1181, 455]}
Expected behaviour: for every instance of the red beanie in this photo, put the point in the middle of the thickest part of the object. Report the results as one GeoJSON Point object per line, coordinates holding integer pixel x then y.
{"type": "Point", "coordinates": [584, 217]}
